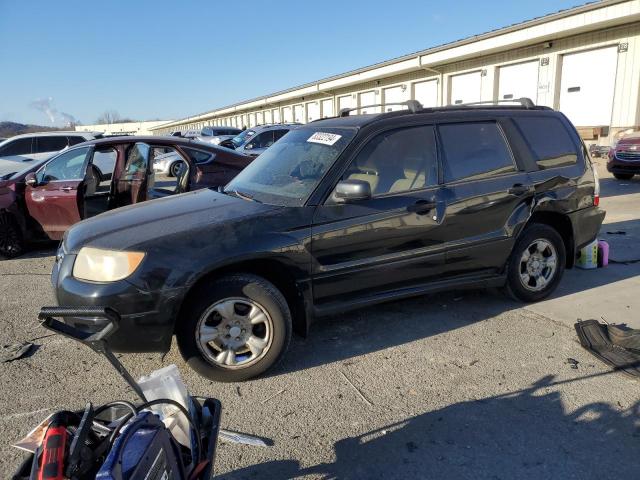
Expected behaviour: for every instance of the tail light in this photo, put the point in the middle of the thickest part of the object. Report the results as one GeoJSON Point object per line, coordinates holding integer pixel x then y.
{"type": "Point", "coordinates": [596, 188]}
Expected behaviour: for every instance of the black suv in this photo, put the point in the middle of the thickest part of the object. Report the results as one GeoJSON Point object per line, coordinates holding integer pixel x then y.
{"type": "Point", "coordinates": [340, 213]}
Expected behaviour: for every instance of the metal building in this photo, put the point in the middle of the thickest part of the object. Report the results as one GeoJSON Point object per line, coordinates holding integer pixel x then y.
{"type": "Point", "coordinates": [584, 61]}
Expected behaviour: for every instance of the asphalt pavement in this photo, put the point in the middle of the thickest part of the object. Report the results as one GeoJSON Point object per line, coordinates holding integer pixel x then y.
{"type": "Point", "coordinates": [456, 385]}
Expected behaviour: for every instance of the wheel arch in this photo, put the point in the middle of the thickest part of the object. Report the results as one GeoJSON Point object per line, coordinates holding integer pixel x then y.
{"type": "Point", "coordinates": [562, 224]}
{"type": "Point", "coordinates": [272, 270]}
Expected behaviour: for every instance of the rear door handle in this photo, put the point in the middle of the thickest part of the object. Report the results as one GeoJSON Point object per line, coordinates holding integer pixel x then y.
{"type": "Point", "coordinates": [518, 189]}
{"type": "Point", "coordinates": [421, 207]}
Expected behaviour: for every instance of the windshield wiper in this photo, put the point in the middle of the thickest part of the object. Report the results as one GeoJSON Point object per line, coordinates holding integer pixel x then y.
{"type": "Point", "coordinates": [244, 196]}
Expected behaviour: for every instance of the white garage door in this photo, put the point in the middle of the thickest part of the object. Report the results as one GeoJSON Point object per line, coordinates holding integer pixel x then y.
{"type": "Point", "coordinates": [276, 115]}
{"type": "Point", "coordinates": [252, 119]}
{"type": "Point", "coordinates": [517, 81]}
{"type": "Point", "coordinates": [259, 118]}
{"type": "Point", "coordinates": [287, 114]}
{"type": "Point", "coordinates": [395, 95]}
{"type": "Point", "coordinates": [368, 98]}
{"type": "Point", "coordinates": [298, 113]}
{"type": "Point", "coordinates": [267, 116]}
{"type": "Point", "coordinates": [313, 111]}
{"type": "Point", "coordinates": [465, 88]}
{"type": "Point", "coordinates": [588, 82]}
{"type": "Point", "coordinates": [327, 108]}
{"type": "Point", "coordinates": [426, 93]}
{"type": "Point", "coordinates": [345, 102]}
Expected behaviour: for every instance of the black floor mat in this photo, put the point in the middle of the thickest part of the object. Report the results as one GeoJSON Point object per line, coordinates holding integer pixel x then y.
{"type": "Point", "coordinates": [595, 338]}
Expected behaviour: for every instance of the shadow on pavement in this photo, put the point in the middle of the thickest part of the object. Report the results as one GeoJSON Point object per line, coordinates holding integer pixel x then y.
{"type": "Point", "coordinates": [612, 187]}
{"type": "Point", "coordinates": [526, 434]}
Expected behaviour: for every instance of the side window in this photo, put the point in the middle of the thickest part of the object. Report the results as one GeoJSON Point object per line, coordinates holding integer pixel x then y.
{"type": "Point", "coordinates": [198, 156]}
{"type": "Point", "coordinates": [66, 166]}
{"type": "Point", "coordinates": [75, 140]}
{"type": "Point", "coordinates": [548, 140]}
{"type": "Point", "coordinates": [397, 161]}
{"type": "Point", "coordinates": [278, 134]}
{"type": "Point", "coordinates": [104, 163]}
{"type": "Point", "coordinates": [50, 144]}
{"type": "Point", "coordinates": [137, 161]}
{"type": "Point", "coordinates": [21, 146]}
{"type": "Point", "coordinates": [474, 150]}
{"type": "Point", "coordinates": [263, 140]}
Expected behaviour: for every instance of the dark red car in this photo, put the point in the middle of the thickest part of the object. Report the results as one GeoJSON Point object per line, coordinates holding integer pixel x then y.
{"type": "Point", "coordinates": [624, 157]}
{"type": "Point", "coordinates": [43, 201]}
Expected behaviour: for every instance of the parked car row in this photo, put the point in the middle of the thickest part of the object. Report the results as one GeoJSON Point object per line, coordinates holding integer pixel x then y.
{"type": "Point", "coordinates": [255, 141]}
{"type": "Point", "coordinates": [337, 214]}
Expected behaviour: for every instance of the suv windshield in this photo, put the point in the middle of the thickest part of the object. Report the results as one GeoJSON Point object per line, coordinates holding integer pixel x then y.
{"type": "Point", "coordinates": [241, 138]}
{"type": "Point", "coordinates": [288, 172]}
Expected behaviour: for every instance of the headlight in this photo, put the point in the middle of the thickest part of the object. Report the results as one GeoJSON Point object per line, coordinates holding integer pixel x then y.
{"type": "Point", "coordinates": [98, 265]}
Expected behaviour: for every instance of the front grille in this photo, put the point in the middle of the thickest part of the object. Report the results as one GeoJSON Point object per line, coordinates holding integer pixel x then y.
{"type": "Point", "coordinates": [628, 155]}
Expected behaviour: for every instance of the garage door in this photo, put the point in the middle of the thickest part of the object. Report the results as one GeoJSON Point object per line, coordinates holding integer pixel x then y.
{"type": "Point", "coordinates": [327, 108]}
{"type": "Point", "coordinates": [465, 88]}
{"type": "Point", "coordinates": [276, 115]}
{"type": "Point", "coordinates": [298, 113]}
{"type": "Point", "coordinates": [287, 114]}
{"type": "Point", "coordinates": [252, 119]}
{"type": "Point", "coordinates": [313, 111]}
{"type": "Point", "coordinates": [426, 93]}
{"type": "Point", "coordinates": [368, 98]}
{"type": "Point", "coordinates": [259, 118]}
{"type": "Point", "coordinates": [517, 81]}
{"type": "Point", "coordinates": [267, 117]}
{"type": "Point", "coordinates": [395, 95]}
{"type": "Point", "coordinates": [345, 102]}
{"type": "Point", "coordinates": [588, 82]}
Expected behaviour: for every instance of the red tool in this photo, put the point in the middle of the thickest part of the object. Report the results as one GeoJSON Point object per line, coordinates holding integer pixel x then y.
{"type": "Point", "coordinates": [53, 451]}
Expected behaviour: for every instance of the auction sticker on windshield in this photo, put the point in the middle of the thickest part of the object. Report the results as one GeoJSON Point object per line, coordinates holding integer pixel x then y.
{"type": "Point", "coordinates": [324, 138]}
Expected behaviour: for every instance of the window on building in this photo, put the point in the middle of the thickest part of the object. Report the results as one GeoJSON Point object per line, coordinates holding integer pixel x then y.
{"type": "Point", "coordinates": [474, 150]}
{"type": "Point", "coordinates": [549, 141]}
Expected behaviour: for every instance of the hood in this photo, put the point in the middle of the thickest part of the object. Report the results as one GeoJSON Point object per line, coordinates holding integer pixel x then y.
{"type": "Point", "coordinates": [625, 142]}
{"type": "Point", "coordinates": [170, 218]}
{"type": "Point", "coordinates": [12, 166]}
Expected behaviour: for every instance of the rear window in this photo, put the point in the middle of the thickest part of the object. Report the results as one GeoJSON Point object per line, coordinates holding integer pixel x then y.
{"type": "Point", "coordinates": [198, 156]}
{"type": "Point", "coordinates": [548, 140]}
{"type": "Point", "coordinates": [474, 150]}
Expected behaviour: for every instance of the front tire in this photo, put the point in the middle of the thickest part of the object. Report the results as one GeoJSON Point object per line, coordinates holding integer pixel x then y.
{"type": "Point", "coordinates": [536, 264]}
{"type": "Point", "coordinates": [623, 176]}
{"type": "Point", "coordinates": [235, 328]}
{"type": "Point", "coordinates": [11, 240]}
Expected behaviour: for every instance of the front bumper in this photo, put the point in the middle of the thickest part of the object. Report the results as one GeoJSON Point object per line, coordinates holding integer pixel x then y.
{"type": "Point", "coordinates": [616, 165]}
{"type": "Point", "coordinates": [147, 317]}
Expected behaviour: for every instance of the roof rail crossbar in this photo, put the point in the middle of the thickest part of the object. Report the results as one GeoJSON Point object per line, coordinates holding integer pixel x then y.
{"type": "Point", "coordinates": [524, 101]}
{"type": "Point", "coordinates": [413, 106]}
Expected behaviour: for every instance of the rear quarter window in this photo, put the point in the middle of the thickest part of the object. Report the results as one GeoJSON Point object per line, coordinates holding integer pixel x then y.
{"type": "Point", "coordinates": [548, 140]}
{"type": "Point", "coordinates": [474, 150]}
{"type": "Point", "coordinates": [198, 156]}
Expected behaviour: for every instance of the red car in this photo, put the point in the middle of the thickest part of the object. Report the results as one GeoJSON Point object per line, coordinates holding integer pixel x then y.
{"type": "Point", "coordinates": [624, 157]}
{"type": "Point", "coordinates": [43, 201]}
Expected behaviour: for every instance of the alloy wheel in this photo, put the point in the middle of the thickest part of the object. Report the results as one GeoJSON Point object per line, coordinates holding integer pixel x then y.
{"type": "Point", "coordinates": [538, 265]}
{"type": "Point", "coordinates": [234, 333]}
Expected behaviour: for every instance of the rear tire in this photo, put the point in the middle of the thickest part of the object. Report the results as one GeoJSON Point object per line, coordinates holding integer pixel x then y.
{"type": "Point", "coordinates": [11, 240]}
{"type": "Point", "coordinates": [623, 176]}
{"type": "Point", "coordinates": [234, 328]}
{"type": "Point", "coordinates": [174, 169]}
{"type": "Point", "coordinates": [536, 264]}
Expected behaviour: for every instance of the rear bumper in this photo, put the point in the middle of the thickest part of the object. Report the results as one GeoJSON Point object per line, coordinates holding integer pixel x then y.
{"type": "Point", "coordinates": [147, 317]}
{"type": "Point", "coordinates": [586, 225]}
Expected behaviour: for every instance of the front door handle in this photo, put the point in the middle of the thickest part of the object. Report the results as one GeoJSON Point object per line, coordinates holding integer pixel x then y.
{"type": "Point", "coordinates": [518, 189]}
{"type": "Point", "coordinates": [421, 207]}
{"type": "Point", "coordinates": [66, 189]}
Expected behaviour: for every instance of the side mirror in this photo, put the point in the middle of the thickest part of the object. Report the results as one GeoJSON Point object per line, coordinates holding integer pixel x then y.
{"type": "Point", "coordinates": [352, 190]}
{"type": "Point", "coordinates": [31, 179]}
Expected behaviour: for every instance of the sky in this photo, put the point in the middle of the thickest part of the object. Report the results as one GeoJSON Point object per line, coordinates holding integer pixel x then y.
{"type": "Point", "coordinates": [169, 59]}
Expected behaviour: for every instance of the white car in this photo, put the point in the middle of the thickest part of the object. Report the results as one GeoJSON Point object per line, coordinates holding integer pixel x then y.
{"type": "Point", "coordinates": [215, 135]}
{"type": "Point", "coordinates": [16, 151]}
{"type": "Point", "coordinates": [168, 164]}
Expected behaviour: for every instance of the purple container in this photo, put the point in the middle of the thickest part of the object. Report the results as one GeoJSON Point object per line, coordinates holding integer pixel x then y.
{"type": "Point", "coordinates": [603, 253]}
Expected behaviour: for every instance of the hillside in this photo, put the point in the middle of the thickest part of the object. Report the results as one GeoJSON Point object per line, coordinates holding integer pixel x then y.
{"type": "Point", "coordinates": [9, 129]}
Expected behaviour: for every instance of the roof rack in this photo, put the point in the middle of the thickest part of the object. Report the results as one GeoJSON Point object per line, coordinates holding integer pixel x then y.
{"type": "Point", "coordinates": [523, 101]}
{"type": "Point", "coordinates": [413, 106]}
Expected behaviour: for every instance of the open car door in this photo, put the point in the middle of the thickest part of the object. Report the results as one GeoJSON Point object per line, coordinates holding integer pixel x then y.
{"type": "Point", "coordinates": [137, 177]}
{"type": "Point", "coordinates": [55, 200]}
